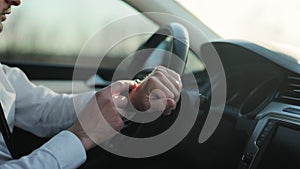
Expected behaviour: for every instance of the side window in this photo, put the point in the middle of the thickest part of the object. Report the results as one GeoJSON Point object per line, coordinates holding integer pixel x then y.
{"type": "Point", "coordinates": [55, 31]}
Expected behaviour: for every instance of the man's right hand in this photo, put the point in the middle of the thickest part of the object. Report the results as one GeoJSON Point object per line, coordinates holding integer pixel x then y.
{"type": "Point", "coordinates": [100, 120]}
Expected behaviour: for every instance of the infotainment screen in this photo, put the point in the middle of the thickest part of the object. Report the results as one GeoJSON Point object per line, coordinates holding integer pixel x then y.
{"type": "Point", "coordinates": [283, 149]}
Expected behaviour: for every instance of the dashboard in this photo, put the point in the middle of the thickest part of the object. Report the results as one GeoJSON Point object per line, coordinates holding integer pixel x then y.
{"type": "Point", "coordinates": [263, 99]}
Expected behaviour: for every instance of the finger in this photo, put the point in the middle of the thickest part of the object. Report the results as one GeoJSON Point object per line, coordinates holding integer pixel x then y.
{"type": "Point", "coordinates": [170, 71]}
{"type": "Point", "coordinates": [157, 94]}
{"type": "Point", "coordinates": [153, 83]}
{"type": "Point", "coordinates": [171, 105]}
{"type": "Point", "coordinates": [121, 86]}
{"type": "Point", "coordinates": [168, 82]}
{"type": "Point", "coordinates": [167, 112]}
{"type": "Point", "coordinates": [157, 105]}
{"type": "Point", "coordinates": [172, 76]}
{"type": "Point", "coordinates": [120, 101]}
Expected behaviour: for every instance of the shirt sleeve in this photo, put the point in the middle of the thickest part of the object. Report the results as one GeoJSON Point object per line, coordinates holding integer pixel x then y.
{"type": "Point", "coordinates": [39, 109]}
{"type": "Point", "coordinates": [63, 151]}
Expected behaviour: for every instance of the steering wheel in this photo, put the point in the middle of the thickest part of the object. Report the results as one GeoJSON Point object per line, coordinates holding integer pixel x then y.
{"type": "Point", "coordinates": [174, 38]}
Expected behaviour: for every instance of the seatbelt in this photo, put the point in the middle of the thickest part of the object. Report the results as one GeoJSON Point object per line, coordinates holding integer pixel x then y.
{"type": "Point", "coordinates": [7, 135]}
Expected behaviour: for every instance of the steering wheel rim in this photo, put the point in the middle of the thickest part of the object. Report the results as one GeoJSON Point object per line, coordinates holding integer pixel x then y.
{"type": "Point", "coordinates": [179, 47]}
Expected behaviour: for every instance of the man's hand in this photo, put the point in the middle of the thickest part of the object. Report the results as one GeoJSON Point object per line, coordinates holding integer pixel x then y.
{"type": "Point", "coordinates": [100, 120]}
{"type": "Point", "coordinates": [159, 91]}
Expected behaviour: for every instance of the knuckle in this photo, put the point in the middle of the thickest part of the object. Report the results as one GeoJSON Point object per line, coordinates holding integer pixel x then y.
{"type": "Point", "coordinates": [177, 95]}
{"type": "Point", "coordinates": [178, 85]}
{"type": "Point", "coordinates": [159, 74]}
{"type": "Point", "coordinates": [178, 81]}
{"type": "Point", "coordinates": [177, 76]}
{"type": "Point", "coordinates": [118, 83]}
{"type": "Point", "coordinates": [151, 80]}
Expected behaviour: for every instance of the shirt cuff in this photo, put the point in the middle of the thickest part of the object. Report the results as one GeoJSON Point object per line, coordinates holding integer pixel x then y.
{"type": "Point", "coordinates": [67, 149]}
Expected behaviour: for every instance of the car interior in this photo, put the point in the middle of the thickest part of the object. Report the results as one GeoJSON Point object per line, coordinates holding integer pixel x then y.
{"type": "Point", "coordinates": [259, 124]}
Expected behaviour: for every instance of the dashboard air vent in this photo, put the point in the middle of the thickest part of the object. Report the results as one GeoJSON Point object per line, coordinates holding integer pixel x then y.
{"type": "Point", "coordinates": [290, 93]}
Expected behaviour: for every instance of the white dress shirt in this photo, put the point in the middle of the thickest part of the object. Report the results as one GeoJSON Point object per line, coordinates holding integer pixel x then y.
{"type": "Point", "coordinates": [45, 113]}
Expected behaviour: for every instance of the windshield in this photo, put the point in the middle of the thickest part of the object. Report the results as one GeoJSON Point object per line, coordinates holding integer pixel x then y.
{"type": "Point", "coordinates": [260, 21]}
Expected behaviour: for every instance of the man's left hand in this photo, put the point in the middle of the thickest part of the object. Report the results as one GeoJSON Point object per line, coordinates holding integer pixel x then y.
{"type": "Point", "coordinates": [159, 91]}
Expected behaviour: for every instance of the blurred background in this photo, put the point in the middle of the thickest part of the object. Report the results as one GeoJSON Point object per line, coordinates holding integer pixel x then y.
{"type": "Point", "coordinates": [273, 21]}
{"type": "Point", "coordinates": [54, 31]}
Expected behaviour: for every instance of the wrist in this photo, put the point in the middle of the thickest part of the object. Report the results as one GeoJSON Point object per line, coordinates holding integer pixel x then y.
{"type": "Point", "coordinates": [86, 142]}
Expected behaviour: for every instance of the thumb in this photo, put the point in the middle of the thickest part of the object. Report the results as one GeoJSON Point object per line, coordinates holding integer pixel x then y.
{"type": "Point", "coordinates": [121, 86]}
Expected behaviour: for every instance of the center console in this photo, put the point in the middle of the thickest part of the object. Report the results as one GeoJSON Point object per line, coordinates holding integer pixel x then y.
{"type": "Point", "coordinates": [275, 141]}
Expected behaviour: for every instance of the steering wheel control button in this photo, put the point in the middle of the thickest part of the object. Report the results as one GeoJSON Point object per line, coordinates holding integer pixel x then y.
{"type": "Point", "coordinates": [247, 159]}
{"type": "Point", "coordinates": [264, 134]}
